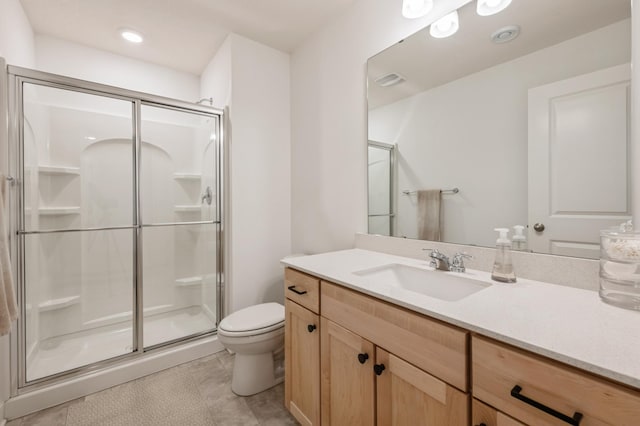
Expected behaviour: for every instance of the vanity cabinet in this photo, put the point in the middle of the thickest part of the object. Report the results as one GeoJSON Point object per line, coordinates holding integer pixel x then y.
{"type": "Point", "coordinates": [402, 384]}
{"type": "Point", "coordinates": [302, 347]}
{"type": "Point", "coordinates": [369, 362]}
{"type": "Point", "coordinates": [364, 385]}
{"type": "Point", "coordinates": [538, 391]}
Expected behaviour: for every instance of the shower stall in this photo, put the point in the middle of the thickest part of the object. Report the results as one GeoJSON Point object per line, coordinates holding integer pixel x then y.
{"type": "Point", "coordinates": [116, 214]}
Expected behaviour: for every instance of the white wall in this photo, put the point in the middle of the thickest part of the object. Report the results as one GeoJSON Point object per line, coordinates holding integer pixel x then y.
{"type": "Point", "coordinates": [255, 81]}
{"type": "Point", "coordinates": [73, 60]}
{"type": "Point", "coordinates": [445, 132]}
{"type": "Point", "coordinates": [215, 80]}
{"type": "Point", "coordinates": [16, 35]}
{"type": "Point", "coordinates": [329, 130]}
{"type": "Point", "coordinates": [17, 47]}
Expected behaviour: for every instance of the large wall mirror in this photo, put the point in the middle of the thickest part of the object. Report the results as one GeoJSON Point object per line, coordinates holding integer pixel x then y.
{"type": "Point", "coordinates": [519, 118]}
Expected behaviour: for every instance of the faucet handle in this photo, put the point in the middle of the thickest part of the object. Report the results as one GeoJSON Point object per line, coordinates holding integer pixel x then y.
{"type": "Point", "coordinates": [457, 263]}
{"type": "Point", "coordinates": [434, 263]}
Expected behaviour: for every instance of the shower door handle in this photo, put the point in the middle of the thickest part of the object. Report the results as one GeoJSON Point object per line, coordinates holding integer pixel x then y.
{"type": "Point", "coordinates": [207, 196]}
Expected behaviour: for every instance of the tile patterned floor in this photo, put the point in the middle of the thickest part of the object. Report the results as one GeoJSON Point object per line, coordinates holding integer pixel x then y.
{"type": "Point", "coordinates": [196, 393]}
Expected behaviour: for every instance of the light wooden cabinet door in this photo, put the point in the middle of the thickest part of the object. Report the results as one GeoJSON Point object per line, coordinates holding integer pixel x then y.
{"type": "Point", "coordinates": [302, 364]}
{"type": "Point", "coordinates": [348, 391]}
{"type": "Point", "coordinates": [483, 415]}
{"type": "Point", "coordinates": [407, 396]}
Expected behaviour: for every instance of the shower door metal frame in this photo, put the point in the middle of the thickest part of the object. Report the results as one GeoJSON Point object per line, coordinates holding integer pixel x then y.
{"type": "Point", "coordinates": [392, 187]}
{"type": "Point", "coordinates": [15, 78]}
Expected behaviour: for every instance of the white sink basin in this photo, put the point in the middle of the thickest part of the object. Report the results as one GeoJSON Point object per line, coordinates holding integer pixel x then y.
{"type": "Point", "coordinates": [441, 285]}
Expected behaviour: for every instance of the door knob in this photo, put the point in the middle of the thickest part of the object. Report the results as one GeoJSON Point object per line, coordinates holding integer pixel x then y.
{"type": "Point", "coordinates": [538, 227]}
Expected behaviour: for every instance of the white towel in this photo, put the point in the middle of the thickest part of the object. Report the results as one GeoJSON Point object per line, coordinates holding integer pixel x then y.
{"type": "Point", "coordinates": [429, 214]}
{"type": "Point", "coordinates": [8, 308]}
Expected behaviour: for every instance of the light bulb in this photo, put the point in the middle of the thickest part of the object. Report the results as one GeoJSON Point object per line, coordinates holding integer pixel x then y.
{"type": "Point", "coordinates": [416, 8]}
{"type": "Point", "coordinates": [491, 7]}
{"type": "Point", "coordinates": [445, 26]}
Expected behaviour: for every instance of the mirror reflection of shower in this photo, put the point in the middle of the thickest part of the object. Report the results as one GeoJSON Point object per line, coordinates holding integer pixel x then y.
{"type": "Point", "coordinates": [380, 172]}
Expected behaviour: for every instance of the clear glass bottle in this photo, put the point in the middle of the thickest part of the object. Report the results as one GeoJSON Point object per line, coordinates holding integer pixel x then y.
{"type": "Point", "coordinates": [503, 267]}
{"type": "Point", "coordinates": [620, 268]}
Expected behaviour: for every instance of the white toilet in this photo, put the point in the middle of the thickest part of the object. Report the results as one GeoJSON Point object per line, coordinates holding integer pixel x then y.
{"type": "Point", "coordinates": [256, 335]}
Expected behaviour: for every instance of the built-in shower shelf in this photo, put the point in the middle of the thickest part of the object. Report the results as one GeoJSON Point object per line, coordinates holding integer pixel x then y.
{"type": "Point", "coordinates": [189, 282]}
{"type": "Point", "coordinates": [187, 176]}
{"type": "Point", "coordinates": [187, 208]}
{"type": "Point", "coordinates": [54, 304]}
{"type": "Point", "coordinates": [59, 170]}
{"type": "Point", "coordinates": [57, 211]}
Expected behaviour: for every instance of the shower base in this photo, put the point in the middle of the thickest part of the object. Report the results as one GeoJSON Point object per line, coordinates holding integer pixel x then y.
{"type": "Point", "coordinates": [62, 353]}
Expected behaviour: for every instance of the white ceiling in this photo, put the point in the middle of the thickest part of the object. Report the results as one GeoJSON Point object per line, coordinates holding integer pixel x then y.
{"type": "Point", "coordinates": [181, 34]}
{"type": "Point", "coordinates": [427, 62]}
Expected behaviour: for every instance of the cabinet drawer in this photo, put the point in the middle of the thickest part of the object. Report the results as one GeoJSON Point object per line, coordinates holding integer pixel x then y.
{"type": "Point", "coordinates": [302, 289]}
{"type": "Point", "coordinates": [483, 415]}
{"type": "Point", "coordinates": [513, 381]}
{"type": "Point", "coordinates": [430, 345]}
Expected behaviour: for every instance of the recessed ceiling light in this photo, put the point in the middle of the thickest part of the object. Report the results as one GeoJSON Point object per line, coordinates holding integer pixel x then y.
{"type": "Point", "coordinates": [131, 36]}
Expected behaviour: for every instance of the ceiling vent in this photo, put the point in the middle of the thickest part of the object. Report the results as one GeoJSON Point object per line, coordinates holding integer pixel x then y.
{"type": "Point", "coordinates": [390, 80]}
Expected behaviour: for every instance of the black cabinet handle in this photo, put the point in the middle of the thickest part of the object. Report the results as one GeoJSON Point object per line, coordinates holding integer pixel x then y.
{"type": "Point", "coordinates": [378, 369]}
{"type": "Point", "coordinates": [575, 420]}
{"type": "Point", "coordinates": [311, 327]}
{"type": "Point", "coordinates": [482, 424]}
{"type": "Point", "coordinates": [293, 289]}
{"type": "Point", "coordinates": [363, 358]}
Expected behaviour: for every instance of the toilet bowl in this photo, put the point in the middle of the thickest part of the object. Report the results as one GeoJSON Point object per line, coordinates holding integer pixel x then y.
{"type": "Point", "coordinates": [256, 335]}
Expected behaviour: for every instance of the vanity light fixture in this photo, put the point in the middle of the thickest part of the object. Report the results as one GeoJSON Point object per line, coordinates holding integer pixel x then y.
{"type": "Point", "coordinates": [491, 7]}
{"type": "Point", "coordinates": [416, 8]}
{"type": "Point", "coordinates": [445, 26]}
{"type": "Point", "coordinates": [131, 36]}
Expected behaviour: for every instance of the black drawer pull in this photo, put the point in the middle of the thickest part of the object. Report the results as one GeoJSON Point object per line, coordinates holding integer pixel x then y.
{"type": "Point", "coordinates": [482, 424]}
{"type": "Point", "coordinates": [363, 358]}
{"type": "Point", "coordinates": [378, 369]}
{"type": "Point", "coordinates": [575, 420]}
{"type": "Point", "coordinates": [311, 327]}
{"type": "Point", "coordinates": [293, 289]}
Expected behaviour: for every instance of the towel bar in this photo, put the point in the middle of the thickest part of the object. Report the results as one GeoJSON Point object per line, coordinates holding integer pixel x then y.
{"type": "Point", "coordinates": [443, 191]}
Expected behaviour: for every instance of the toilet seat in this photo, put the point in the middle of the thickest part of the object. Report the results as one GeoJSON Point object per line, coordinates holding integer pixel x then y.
{"type": "Point", "coordinates": [254, 320]}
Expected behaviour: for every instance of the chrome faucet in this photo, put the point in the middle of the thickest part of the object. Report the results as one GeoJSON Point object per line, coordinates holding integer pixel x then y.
{"type": "Point", "coordinates": [440, 261]}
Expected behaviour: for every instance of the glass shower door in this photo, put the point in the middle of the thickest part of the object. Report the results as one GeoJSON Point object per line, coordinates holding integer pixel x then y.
{"type": "Point", "coordinates": [180, 219]}
{"type": "Point", "coordinates": [76, 228]}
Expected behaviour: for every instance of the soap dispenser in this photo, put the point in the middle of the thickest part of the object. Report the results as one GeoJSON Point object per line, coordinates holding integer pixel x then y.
{"type": "Point", "coordinates": [519, 240]}
{"type": "Point", "coordinates": [502, 267]}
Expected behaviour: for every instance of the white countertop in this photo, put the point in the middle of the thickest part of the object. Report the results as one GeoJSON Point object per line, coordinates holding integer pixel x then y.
{"type": "Point", "coordinates": [566, 324]}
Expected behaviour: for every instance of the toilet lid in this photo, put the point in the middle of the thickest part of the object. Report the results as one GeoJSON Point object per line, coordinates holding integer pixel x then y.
{"type": "Point", "coordinates": [257, 317]}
